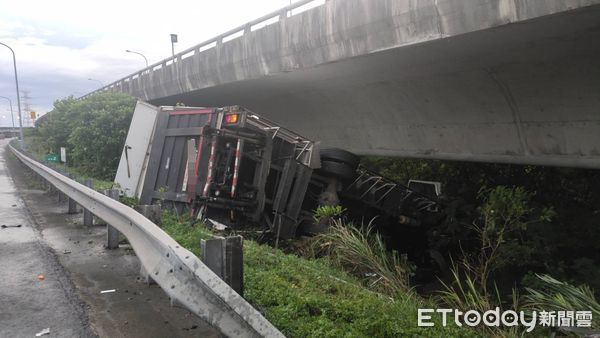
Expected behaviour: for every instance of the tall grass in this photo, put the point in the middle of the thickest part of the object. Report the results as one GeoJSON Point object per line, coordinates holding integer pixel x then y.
{"type": "Point", "coordinates": [362, 252]}
{"type": "Point", "coordinates": [465, 293]}
{"type": "Point", "coordinates": [554, 295]}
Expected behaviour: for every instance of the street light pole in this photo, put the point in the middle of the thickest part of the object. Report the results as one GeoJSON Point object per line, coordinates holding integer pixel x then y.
{"type": "Point", "coordinates": [11, 111]}
{"type": "Point", "coordinates": [173, 40]}
{"type": "Point", "coordinates": [18, 95]}
{"type": "Point", "coordinates": [100, 82]}
{"type": "Point", "coordinates": [134, 52]}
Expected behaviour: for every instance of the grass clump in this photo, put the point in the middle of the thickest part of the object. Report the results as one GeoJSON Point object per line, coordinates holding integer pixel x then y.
{"type": "Point", "coordinates": [188, 236]}
{"type": "Point", "coordinates": [362, 252]}
{"type": "Point", "coordinates": [554, 295]}
{"type": "Point", "coordinates": [325, 213]}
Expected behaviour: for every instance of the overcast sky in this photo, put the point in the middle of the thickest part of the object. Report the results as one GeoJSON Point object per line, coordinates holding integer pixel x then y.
{"type": "Point", "coordinates": [60, 44]}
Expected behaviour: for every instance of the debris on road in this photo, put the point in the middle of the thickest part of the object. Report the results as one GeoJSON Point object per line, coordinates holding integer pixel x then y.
{"type": "Point", "coordinates": [193, 327]}
{"type": "Point", "coordinates": [108, 291]}
{"type": "Point", "coordinates": [4, 226]}
{"type": "Point", "coordinates": [43, 332]}
{"type": "Point", "coordinates": [41, 277]}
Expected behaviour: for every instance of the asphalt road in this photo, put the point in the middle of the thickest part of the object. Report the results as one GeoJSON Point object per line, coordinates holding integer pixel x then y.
{"type": "Point", "coordinates": [27, 304]}
{"type": "Point", "coordinates": [76, 268]}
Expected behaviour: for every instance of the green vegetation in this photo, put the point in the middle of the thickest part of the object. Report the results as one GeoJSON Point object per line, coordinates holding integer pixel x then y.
{"type": "Point", "coordinates": [554, 295]}
{"type": "Point", "coordinates": [188, 236]}
{"type": "Point", "coordinates": [362, 252]}
{"type": "Point", "coordinates": [312, 298]}
{"type": "Point", "coordinates": [563, 238]}
{"type": "Point", "coordinates": [505, 214]}
{"type": "Point", "coordinates": [93, 130]}
{"type": "Point", "coordinates": [326, 213]}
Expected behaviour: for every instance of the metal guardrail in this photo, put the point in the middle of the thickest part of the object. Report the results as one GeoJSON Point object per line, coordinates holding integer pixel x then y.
{"type": "Point", "coordinates": [209, 44]}
{"type": "Point", "coordinates": [176, 270]}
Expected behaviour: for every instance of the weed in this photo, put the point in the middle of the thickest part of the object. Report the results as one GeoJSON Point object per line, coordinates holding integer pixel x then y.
{"type": "Point", "coordinates": [326, 213]}
{"type": "Point", "coordinates": [363, 253]}
{"type": "Point", "coordinates": [182, 232]}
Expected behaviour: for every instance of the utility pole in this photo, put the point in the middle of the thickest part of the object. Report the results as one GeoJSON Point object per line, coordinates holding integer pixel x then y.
{"type": "Point", "coordinates": [173, 41]}
{"type": "Point", "coordinates": [18, 98]}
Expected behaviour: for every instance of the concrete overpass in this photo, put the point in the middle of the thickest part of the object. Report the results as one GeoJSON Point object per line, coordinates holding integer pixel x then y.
{"type": "Point", "coordinates": [514, 81]}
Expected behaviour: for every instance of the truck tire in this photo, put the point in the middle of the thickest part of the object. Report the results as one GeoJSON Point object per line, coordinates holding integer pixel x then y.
{"type": "Point", "coordinates": [338, 169]}
{"type": "Point", "coordinates": [340, 155]}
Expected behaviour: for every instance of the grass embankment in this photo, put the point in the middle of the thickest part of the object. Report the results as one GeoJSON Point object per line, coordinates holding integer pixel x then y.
{"type": "Point", "coordinates": [311, 298]}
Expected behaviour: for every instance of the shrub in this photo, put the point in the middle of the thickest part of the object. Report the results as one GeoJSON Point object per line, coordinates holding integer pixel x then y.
{"type": "Point", "coordinates": [93, 130]}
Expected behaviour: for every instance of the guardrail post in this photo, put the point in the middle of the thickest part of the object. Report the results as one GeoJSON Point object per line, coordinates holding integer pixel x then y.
{"type": "Point", "coordinates": [72, 205]}
{"type": "Point", "coordinates": [112, 234]}
{"type": "Point", "coordinates": [224, 256]}
{"type": "Point", "coordinates": [145, 276]}
{"type": "Point", "coordinates": [60, 196]}
{"type": "Point", "coordinates": [88, 218]}
{"type": "Point", "coordinates": [151, 212]}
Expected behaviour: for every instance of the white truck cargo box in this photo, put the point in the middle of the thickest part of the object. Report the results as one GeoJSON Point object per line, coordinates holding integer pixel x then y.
{"type": "Point", "coordinates": [134, 159]}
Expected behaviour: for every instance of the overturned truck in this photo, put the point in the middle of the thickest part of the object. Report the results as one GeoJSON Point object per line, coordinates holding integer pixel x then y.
{"type": "Point", "coordinates": [236, 168]}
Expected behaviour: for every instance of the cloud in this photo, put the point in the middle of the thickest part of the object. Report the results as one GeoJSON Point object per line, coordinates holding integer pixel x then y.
{"type": "Point", "coordinates": [62, 43]}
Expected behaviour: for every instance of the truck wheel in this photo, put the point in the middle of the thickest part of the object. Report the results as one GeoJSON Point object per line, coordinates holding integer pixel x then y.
{"type": "Point", "coordinates": [338, 169]}
{"type": "Point", "coordinates": [340, 155]}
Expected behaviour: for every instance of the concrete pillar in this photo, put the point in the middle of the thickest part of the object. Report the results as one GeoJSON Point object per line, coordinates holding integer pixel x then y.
{"type": "Point", "coordinates": [112, 234]}
{"type": "Point", "coordinates": [88, 218]}
{"type": "Point", "coordinates": [224, 256]}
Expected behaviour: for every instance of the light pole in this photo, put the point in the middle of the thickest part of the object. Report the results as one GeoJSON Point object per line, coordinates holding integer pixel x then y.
{"type": "Point", "coordinates": [18, 95]}
{"type": "Point", "coordinates": [100, 82]}
{"type": "Point", "coordinates": [173, 40]}
{"type": "Point", "coordinates": [11, 111]}
{"type": "Point", "coordinates": [138, 53]}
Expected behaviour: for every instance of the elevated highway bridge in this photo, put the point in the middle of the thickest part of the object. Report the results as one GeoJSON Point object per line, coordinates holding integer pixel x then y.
{"type": "Point", "coordinates": [514, 81]}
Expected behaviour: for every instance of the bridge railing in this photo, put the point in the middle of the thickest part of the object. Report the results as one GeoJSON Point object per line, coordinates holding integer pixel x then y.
{"type": "Point", "coordinates": [254, 25]}
{"type": "Point", "coordinates": [182, 275]}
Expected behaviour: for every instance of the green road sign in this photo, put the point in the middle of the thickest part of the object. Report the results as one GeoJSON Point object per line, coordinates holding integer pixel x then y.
{"type": "Point", "coordinates": [51, 158]}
